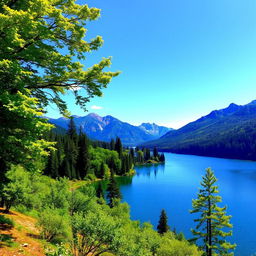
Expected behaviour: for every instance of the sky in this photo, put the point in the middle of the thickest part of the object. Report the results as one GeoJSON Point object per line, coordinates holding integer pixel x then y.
{"type": "Point", "coordinates": [179, 59]}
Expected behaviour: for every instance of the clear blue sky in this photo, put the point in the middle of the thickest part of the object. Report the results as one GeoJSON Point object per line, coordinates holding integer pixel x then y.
{"type": "Point", "coordinates": [179, 59]}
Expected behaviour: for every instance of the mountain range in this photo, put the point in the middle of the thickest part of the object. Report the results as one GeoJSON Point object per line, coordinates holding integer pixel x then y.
{"type": "Point", "coordinates": [229, 133]}
{"type": "Point", "coordinates": [108, 127]}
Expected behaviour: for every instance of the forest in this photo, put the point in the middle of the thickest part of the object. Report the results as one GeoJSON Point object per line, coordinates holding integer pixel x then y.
{"type": "Point", "coordinates": [42, 49]}
{"type": "Point", "coordinates": [77, 157]}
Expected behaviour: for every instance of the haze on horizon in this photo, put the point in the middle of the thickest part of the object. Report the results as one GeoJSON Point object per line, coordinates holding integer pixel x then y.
{"type": "Point", "coordinates": [179, 59]}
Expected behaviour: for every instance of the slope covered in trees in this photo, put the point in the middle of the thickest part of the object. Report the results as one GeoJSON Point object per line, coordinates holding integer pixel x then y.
{"type": "Point", "coordinates": [83, 224]}
{"type": "Point", "coordinates": [228, 133]}
{"type": "Point", "coordinates": [77, 157]}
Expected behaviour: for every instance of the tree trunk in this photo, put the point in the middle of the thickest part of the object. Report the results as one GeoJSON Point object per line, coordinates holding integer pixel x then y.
{"type": "Point", "coordinates": [209, 229]}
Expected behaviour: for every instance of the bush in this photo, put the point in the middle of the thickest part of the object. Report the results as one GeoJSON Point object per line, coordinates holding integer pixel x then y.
{"type": "Point", "coordinates": [60, 250]}
{"type": "Point", "coordinates": [90, 177]}
{"type": "Point", "coordinates": [54, 226]}
{"type": "Point", "coordinates": [173, 247]}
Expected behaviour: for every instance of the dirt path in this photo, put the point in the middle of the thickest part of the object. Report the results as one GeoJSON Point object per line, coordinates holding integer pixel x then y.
{"type": "Point", "coordinates": [22, 239]}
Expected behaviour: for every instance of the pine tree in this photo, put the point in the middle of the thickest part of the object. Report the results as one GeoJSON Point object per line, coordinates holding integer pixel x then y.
{"type": "Point", "coordinates": [147, 154]}
{"type": "Point", "coordinates": [99, 191]}
{"type": "Point", "coordinates": [65, 170]}
{"type": "Point", "coordinates": [132, 154]}
{"type": "Point", "coordinates": [119, 147]}
{"type": "Point", "coordinates": [52, 166]}
{"type": "Point", "coordinates": [112, 144]}
{"type": "Point", "coordinates": [83, 159]}
{"type": "Point", "coordinates": [114, 193]}
{"type": "Point", "coordinates": [162, 158]}
{"type": "Point", "coordinates": [162, 226]}
{"type": "Point", "coordinates": [155, 152]}
{"type": "Point", "coordinates": [71, 152]}
{"type": "Point", "coordinates": [212, 219]}
{"type": "Point", "coordinates": [72, 129]}
{"type": "Point", "coordinates": [102, 170]}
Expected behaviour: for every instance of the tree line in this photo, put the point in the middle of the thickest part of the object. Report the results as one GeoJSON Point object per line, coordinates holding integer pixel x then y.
{"type": "Point", "coordinates": [77, 157]}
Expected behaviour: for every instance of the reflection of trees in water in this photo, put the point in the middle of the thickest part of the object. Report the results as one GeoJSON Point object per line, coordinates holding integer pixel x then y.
{"type": "Point", "coordinates": [147, 170]}
{"type": "Point", "coordinates": [124, 181]}
{"type": "Point", "coordinates": [121, 181]}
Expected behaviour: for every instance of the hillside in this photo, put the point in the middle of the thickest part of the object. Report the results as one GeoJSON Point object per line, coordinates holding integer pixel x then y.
{"type": "Point", "coordinates": [229, 133]}
{"type": "Point", "coordinates": [108, 127]}
{"type": "Point", "coordinates": [19, 236]}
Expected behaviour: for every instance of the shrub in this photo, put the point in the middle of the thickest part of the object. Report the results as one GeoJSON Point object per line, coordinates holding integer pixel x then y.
{"type": "Point", "coordinates": [54, 226]}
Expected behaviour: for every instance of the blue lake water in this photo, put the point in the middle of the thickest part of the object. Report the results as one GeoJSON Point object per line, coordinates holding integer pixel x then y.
{"type": "Point", "coordinates": [173, 185]}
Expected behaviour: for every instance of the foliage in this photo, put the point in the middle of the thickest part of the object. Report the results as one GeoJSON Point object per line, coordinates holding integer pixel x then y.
{"type": "Point", "coordinates": [6, 221]}
{"type": "Point", "coordinates": [162, 226]}
{"type": "Point", "coordinates": [60, 250]}
{"type": "Point", "coordinates": [113, 192]}
{"type": "Point", "coordinates": [173, 247]}
{"type": "Point", "coordinates": [33, 34]}
{"type": "Point", "coordinates": [14, 191]}
{"type": "Point", "coordinates": [212, 219]}
{"type": "Point", "coordinates": [92, 239]}
{"type": "Point", "coordinates": [54, 225]}
{"type": "Point", "coordinates": [70, 216]}
{"type": "Point", "coordinates": [21, 131]}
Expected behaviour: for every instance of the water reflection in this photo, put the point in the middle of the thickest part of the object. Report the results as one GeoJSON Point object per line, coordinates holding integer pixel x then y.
{"type": "Point", "coordinates": [173, 185]}
{"type": "Point", "coordinates": [148, 170]}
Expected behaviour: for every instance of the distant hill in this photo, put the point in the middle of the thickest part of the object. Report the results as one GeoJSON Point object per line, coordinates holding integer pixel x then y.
{"type": "Point", "coordinates": [108, 127]}
{"type": "Point", "coordinates": [228, 133]}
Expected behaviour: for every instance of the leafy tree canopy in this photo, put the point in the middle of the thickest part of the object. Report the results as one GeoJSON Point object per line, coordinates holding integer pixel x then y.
{"type": "Point", "coordinates": [42, 44]}
{"type": "Point", "coordinates": [41, 48]}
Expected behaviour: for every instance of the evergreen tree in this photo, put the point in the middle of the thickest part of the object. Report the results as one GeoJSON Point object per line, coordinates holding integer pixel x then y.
{"type": "Point", "coordinates": [132, 154]}
{"type": "Point", "coordinates": [212, 219]}
{"type": "Point", "coordinates": [52, 167]}
{"type": "Point", "coordinates": [112, 144]}
{"type": "Point", "coordinates": [147, 154]}
{"type": "Point", "coordinates": [119, 147]}
{"type": "Point", "coordinates": [99, 191]}
{"type": "Point", "coordinates": [83, 159]}
{"type": "Point", "coordinates": [113, 192]}
{"type": "Point", "coordinates": [72, 129]}
{"type": "Point", "coordinates": [71, 156]}
{"type": "Point", "coordinates": [65, 170]}
{"type": "Point", "coordinates": [155, 152]}
{"type": "Point", "coordinates": [162, 158]}
{"type": "Point", "coordinates": [162, 226]}
{"type": "Point", "coordinates": [102, 170]}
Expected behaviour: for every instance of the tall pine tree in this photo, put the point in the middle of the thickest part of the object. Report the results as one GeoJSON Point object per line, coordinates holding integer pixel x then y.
{"type": "Point", "coordinates": [72, 129]}
{"type": "Point", "coordinates": [113, 192]}
{"type": "Point", "coordinates": [83, 159]}
{"type": "Point", "coordinates": [162, 226]}
{"type": "Point", "coordinates": [212, 219]}
{"type": "Point", "coordinates": [119, 147]}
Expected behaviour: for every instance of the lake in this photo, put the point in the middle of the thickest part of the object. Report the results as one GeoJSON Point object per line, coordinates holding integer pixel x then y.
{"type": "Point", "coordinates": [171, 186]}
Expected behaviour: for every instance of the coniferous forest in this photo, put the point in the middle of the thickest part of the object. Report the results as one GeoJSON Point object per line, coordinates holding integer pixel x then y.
{"type": "Point", "coordinates": [76, 157]}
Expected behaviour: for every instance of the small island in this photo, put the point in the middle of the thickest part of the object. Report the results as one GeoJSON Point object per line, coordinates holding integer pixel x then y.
{"type": "Point", "coordinates": [144, 156]}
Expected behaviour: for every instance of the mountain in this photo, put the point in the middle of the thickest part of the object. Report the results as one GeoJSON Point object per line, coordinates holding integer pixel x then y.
{"type": "Point", "coordinates": [108, 127]}
{"type": "Point", "coordinates": [154, 129]}
{"type": "Point", "coordinates": [228, 133]}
